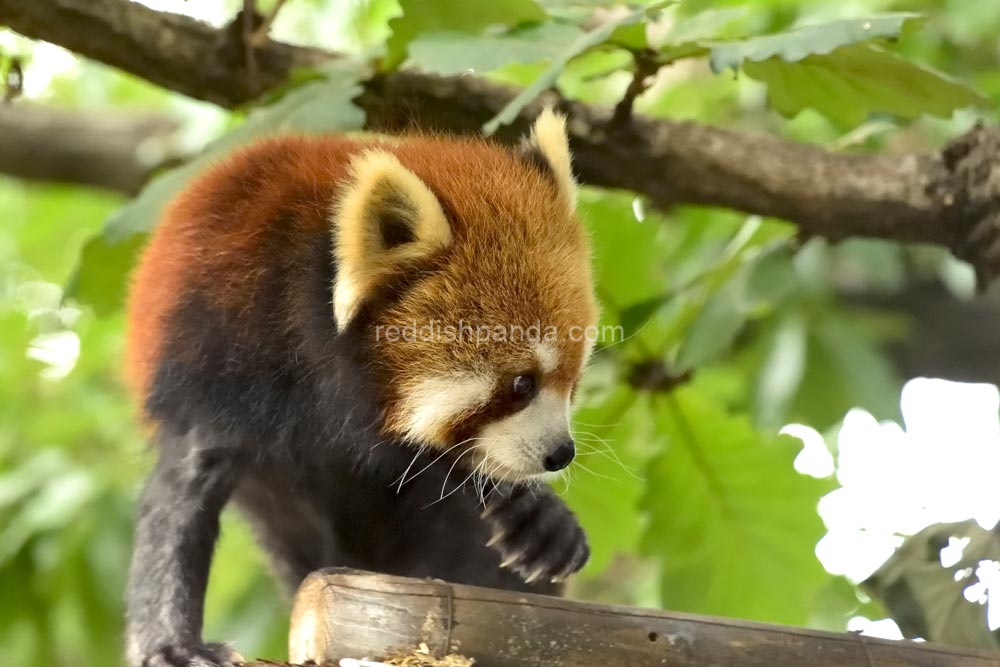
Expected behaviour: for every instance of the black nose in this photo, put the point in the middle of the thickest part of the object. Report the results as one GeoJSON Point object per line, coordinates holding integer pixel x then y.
{"type": "Point", "coordinates": [560, 457]}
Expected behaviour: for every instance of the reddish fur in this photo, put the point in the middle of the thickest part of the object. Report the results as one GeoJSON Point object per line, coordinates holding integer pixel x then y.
{"type": "Point", "coordinates": [214, 232]}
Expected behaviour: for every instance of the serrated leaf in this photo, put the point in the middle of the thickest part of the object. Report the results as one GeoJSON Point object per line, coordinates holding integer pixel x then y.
{"type": "Point", "coordinates": [925, 598]}
{"type": "Point", "coordinates": [586, 41]}
{"type": "Point", "coordinates": [804, 41]}
{"type": "Point", "coordinates": [318, 106]}
{"type": "Point", "coordinates": [423, 16]}
{"type": "Point", "coordinates": [733, 524]}
{"type": "Point", "coordinates": [850, 84]}
{"type": "Point", "coordinates": [703, 26]}
{"type": "Point", "coordinates": [455, 52]}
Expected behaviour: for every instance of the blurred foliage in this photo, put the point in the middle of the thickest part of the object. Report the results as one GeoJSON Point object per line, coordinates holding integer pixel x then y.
{"type": "Point", "coordinates": [689, 496]}
{"type": "Point", "coordinates": [928, 600]}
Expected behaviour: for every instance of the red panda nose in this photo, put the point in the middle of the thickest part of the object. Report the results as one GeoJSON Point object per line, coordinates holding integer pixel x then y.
{"type": "Point", "coordinates": [559, 457]}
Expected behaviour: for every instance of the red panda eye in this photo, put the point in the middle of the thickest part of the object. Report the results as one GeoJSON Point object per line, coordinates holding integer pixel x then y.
{"type": "Point", "coordinates": [523, 387]}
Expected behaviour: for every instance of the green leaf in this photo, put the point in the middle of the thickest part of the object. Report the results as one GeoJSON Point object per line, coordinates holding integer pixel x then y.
{"type": "Point", "coordinates": [771, 276]}
{"type": "Point", "coordinates": [782, 371]}
{"type": "Point", "coordinates": [831, 67]}
{"type": "Point", "coordinates": [455, 52]}
{"type": "Point", "coordinates": [318, 106]}
{"type": "Point", "coordinates": [925, 598]}
{"type": "Point", "coordinates": [607, 466]}
{"type": "Point", "coordinates": [54, 506]}
{"type": "Point", "coordinates": [692, 36]}
{"type": "Point", "coordinates": [424, 16]}
{"type": "Point", "coordinates": [101, 275]}
{"type": "Point", "coordinates": [804, 41]}
{"type": "Point", "coordinates": [844, 369]}
{"type": "Point", "coordinates": [635, 316]}
{"type": "Point", "coordinates": [838, 601]}
{"type": "Point", "coordinates": [631, 36]}
{"type": "Point", "coordinates": [715, 328]}
{"type": "Point", "coordinates": [733, 524]}
{"type": "Point", "coordinates": [586, 4]}
{"type": "Point", "coordinates": [705, 25]}
{"type": "Point", "coordinates": [628, 254]}
{"type": "Point", "coordinates": [586, 41]}
{"type": "Point", "coordinates": [850, 84]}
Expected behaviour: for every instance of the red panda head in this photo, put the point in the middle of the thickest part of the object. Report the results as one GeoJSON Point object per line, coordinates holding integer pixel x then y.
{"type": "Point", "coordinates": [482, 270]}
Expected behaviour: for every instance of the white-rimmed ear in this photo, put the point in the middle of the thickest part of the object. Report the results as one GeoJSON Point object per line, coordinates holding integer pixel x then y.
{"type": "Point", "coordinates": [548, 141]}
{"type": "Point", "coordinates": [386, 218]}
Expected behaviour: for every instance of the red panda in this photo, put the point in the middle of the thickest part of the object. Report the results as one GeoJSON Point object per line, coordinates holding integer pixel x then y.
{"type": "Point", "coordinates": [370, 347]}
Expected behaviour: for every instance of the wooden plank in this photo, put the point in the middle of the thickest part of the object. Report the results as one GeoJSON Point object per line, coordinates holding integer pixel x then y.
{"type": "Point", "coordinates": [345, 613]}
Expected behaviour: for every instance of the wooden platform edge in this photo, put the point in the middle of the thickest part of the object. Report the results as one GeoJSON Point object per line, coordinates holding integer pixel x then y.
{"type": "Point", "coordinates": [342, 613]}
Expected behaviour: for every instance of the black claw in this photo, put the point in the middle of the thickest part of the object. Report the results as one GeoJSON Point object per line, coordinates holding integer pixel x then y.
{"type": "Point", "coordinates": [537, 536]}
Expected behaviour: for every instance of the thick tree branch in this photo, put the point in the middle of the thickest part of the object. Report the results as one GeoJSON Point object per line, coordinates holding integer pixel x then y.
{"type": "Point", "coordinates": [948, 199]}
{"type": "Point", "coordinates": [341, 613]}
{"type": "Point", "coordinates": [114, 151]}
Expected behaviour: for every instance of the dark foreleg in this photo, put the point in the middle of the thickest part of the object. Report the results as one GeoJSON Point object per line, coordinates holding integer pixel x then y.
{"type": "Point", "coordinates": [176, 530]}
{"type": "Point", "coordinates": [537, 535]}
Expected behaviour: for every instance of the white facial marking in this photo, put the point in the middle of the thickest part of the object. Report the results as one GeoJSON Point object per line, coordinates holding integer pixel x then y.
{"type": "Point", "coordinates": [520, 442]}
{"type": "Point", "coordinates": [548, 356]}
{"type": "Point", "coordinates": [434, 402]}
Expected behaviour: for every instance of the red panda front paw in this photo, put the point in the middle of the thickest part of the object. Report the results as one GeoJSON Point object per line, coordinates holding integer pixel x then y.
{"type": "Point", "coordinates": [204, 655]}
{"type": "Point", "coordinates": [538, 537]}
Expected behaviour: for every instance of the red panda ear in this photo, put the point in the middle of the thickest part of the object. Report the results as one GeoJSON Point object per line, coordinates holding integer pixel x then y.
{"type": "Point", "coordinates": [386, 218]}
{"type": "Point", "coordinates": [548, 142]}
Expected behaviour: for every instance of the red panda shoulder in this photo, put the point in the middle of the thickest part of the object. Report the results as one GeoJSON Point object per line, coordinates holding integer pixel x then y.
{"type": "Point", "coordinates": [215, 235]}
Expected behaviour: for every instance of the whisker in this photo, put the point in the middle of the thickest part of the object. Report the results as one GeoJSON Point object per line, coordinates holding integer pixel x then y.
{"type": "Point", "coordinates": [457, 486]}
{"type": "Point", "coordinates": [565, 479]}
{"type": "Point", "coordinates": [596, 474]}
{"type": "Point", "coordinates": [588, 434]}
{"type": "Point", "coordinates": [608, 452]}
{"type": "Point", "coordinates": [439, 457]}
{"type": "Point", "coordinates": [596, 425]}
{"type": "Point", "coordinates": [616, 343]}
{"type": "Point", "coordinates": [402, 478]}
{"type": "Point", "coordinates": [483, 479]}
{"type": "Point", "coordinates": [448, 474]}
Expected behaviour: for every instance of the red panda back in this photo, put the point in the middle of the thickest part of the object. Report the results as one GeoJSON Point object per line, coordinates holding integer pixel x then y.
{"type": "Point", "coordinates": [214, 235]}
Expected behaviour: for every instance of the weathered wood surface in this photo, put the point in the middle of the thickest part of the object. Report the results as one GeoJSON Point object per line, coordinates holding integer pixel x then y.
{"type": "Point", "coordinates": [344, 613]}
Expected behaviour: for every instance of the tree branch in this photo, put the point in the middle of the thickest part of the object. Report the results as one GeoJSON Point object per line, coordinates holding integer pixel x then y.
{"type": "Point", "coordinates": [949, 199]}
{"type": "Point", "coordinates": [114, 151]}
{"type": "Point", "coordinates": [344, 613]}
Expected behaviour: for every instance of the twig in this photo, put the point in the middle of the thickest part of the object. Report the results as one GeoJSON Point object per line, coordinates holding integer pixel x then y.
{"type": "Point", "coordinates": [259, 37]}
{"type": "Point", "coordinates": [646, 68]}
{"type": "Point", "coordinates": [249, 50]}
